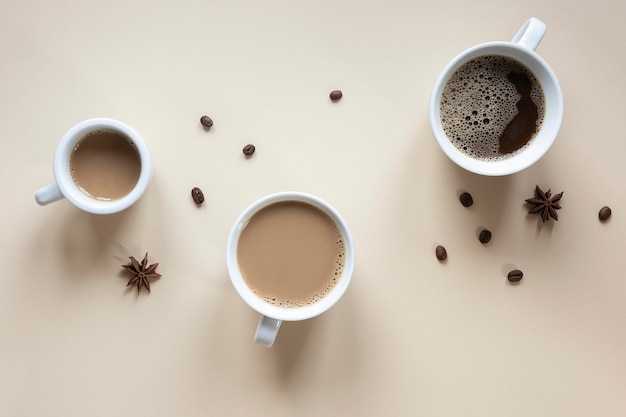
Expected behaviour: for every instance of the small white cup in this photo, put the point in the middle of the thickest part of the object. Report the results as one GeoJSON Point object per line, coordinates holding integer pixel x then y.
{"type": "Point", "coordinates": [521, 48]}
{"type": "Point", "coordinates": [64, 185]}
{"type": "Point", "coordinates": [272, 316]}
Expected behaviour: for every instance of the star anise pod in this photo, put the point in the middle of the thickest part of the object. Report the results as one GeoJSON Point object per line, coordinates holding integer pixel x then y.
{"type": "Point", "coordinates": [545, 204]}
{"type": "Point", "coordinates": [141, 273]}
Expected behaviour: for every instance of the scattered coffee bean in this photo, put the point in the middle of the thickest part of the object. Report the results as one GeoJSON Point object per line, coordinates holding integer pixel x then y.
{"type": "Point", "coordinates": [441, 253]}
{"type": "Point", "coordinates": [197, 195]}
{"type": "Point", "coordinates": [466, 199]}
{"type": "Point", "coordinates": [248, 150]}
{"type": "Point", "coordinates": [484, 236]}
{"type": "Point", "coordinates": [206, 121]}
{"type": "Point", "coordinates": [515, 275]}
{"type": "Point", "coordinates": [336, 95]}
{"type": "Point", "coordinates": [605, 213]}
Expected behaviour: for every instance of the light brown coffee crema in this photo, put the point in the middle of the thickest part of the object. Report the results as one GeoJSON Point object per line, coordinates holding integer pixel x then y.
{"type": "Point", "coordinates": [492, 107]}
{"type": "Point", "coordinates": [291, 254]}
{"type": "Point", "coordinates": [105, 165]}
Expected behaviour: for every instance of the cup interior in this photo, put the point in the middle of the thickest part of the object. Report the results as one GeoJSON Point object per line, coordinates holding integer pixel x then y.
{"type": "Point", "coordinates": [66, 182]}
{"type": "Point", "coordinates": [256, 302]}
{"type": "Point", "coordinates": [542, 141]}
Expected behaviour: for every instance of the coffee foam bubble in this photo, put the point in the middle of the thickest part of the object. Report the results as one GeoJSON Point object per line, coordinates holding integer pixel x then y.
{"type": "Point", "coordinates": [478, 102]}
{"type": "Point", "coordinates": [328, 288]}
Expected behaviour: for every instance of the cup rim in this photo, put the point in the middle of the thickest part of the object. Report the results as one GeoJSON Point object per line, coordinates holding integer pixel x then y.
{"type": "Point", "coordinates": [262, 306]}
{"type": "Point", "coordinates": [541, 143]}
{"type": "Point", "coordinates": [64, 179]}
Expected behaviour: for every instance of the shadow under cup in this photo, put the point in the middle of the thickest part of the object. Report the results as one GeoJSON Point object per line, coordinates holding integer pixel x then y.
{"type": "Point", "coordinates": [257, 302]}
{"type": "Point", "coordinates": [542, 140]}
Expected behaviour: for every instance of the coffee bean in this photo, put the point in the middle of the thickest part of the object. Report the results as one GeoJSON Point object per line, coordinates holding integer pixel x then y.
{"type": "Point", "coordinates": [206, 121]}
{"type": "Point", "coordinates": [248, 150]}
{"type": "Point", "coordinates": [466, 199]}
{"type": "Point", "coordinates": [441, 253]}
{"type": "Point", "coordinates": [515, 275]}
{"type": "Point", "coordinates": [336, 95]}
{"type": "Point", "coordinates": [484, 236]}
{"type": "Point", "coordinates": [197, 195]}
{"type": "Point", "coordinates": [605, 213]}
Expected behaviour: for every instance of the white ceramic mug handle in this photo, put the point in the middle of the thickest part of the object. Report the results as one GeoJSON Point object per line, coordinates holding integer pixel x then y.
{"type": "Point", "coordinates": [48, 194]}
{"type": "Point", "coordinates": [266, 331]}
{"type": "Point", "coordinates": [530, 34]}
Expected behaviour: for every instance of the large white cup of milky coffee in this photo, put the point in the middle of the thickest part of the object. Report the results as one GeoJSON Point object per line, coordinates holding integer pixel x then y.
{"type": "Point", "coordinates": [497, 108]}
{"type": "Point", "coordinates": [290, 256]}
{"type": "Point", "coordinates": [101, 165]}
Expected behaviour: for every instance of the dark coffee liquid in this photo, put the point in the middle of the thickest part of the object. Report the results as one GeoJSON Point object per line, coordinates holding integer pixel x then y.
{"type": "Point", "coordinates": [521, 129]}
{"type": "Point", "coordinates": [492, 107]}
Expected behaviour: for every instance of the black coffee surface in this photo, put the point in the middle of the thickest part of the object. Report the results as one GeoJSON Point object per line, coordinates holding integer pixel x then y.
{"type": "Point", "coordinates": [492, 107]}
{"type": "Point", "coordinates": [521, 129]}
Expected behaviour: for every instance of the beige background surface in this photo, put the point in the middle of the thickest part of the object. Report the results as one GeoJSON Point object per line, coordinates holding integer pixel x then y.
{"type": "Point", "coordinates": [411, 337]}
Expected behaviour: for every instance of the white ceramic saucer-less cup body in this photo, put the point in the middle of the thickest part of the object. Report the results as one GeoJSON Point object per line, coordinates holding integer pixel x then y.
{"type": "Point", "coordinates": [271, 315]}
{"type": "Point", "coordinates": [522, 49]}
{"type": "Point", "coordinates": [64, 186]}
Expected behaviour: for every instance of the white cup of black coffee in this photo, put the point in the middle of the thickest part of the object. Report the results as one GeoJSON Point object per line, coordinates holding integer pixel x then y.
{"type": "Point", "coordinates": [497, 107]}
{"type": "Point", "coordinates": [290, 256]}
{"type": "Point", "coordinates": [101, 165]}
